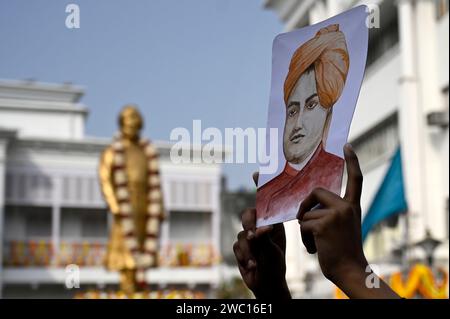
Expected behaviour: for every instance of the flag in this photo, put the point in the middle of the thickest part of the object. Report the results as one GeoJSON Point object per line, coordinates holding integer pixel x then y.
{"type": "Point", "coordinates": [390, 198]}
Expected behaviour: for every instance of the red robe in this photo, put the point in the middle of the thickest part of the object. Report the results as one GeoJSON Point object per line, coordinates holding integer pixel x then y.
{"type": "Point", "coordinates": [279, 199]}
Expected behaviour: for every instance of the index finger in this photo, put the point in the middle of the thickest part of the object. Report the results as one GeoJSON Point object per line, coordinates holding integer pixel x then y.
{"type": "Point", "coordinates": [354, 174]}
{"type": "Point", "coordinates": [318, 198]}
{"type": "Point", "coordinates": [249, 219]}
{"type": "Point", "coordinates": [261, 231]}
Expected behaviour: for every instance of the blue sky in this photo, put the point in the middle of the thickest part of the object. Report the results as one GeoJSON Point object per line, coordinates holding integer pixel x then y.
{"type": "Point", "coordinates": [178, 60]}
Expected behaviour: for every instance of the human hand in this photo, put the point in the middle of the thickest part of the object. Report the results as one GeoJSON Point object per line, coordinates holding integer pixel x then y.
{"type": "Point", "coordinates": [260, 253]}
{"type": "Point", "coordinates": [333, 230]}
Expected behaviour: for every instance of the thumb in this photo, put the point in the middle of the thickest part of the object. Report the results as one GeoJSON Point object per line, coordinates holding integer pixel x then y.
{"type": "Point", "coordinates": [255, 177]}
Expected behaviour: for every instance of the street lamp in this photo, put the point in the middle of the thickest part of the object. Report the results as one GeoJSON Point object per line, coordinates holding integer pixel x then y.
{"type": "Point", "coordinates": [399, 255]}
{"type": "Point", "coordinates": [428, 244]}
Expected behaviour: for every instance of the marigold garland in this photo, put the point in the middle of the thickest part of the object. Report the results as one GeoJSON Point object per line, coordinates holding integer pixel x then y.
{"type": "Point", "coordinates": [146, 257]}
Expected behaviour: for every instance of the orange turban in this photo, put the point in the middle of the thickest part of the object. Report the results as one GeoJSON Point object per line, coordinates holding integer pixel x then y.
{"type": "Point", "coordinates": [328, 52]}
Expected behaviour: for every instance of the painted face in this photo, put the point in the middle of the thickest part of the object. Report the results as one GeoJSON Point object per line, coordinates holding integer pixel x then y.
{"type": "Point", "coordinates": [131, 123]}
{"type": "Point", "coordinates": [305, 120]}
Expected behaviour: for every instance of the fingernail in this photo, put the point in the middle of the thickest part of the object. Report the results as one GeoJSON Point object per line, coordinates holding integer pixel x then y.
{"type": "Point", "coordinates": [251, 264]}
{"type": "Point", "coordinates": [349, 146]}
{"type": "Point", "coordinates": [250, 235]}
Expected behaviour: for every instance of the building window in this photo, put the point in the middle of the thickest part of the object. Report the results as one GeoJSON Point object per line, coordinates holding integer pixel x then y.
{"type": "Point", "coordinates": [94, 224]}
{"type": "Point", "coordinates": [190, 227]}
{"type": "Point", "coordinates": [28, 187]}
{"type": "Point", "coordinates": [80, 189]}
{"type": "Point", "coordinates": [382, 39]}
{"type": "Point", "coordinates": [82, 223]}
{"type": "Point", "coordinates": [26, 222]}
{"type": "Point", "coordinates": [8, 186]}
{"type": "Point", "coordinates": [191, 193]}
{"type": "Point", "coordinates": [38, 222]}
{"type": "Point", "coordinates": [378, 143]}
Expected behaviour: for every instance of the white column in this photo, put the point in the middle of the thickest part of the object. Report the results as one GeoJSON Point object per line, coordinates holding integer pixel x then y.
{"type": "Point", "coordinates": [56, 214]}
{"type": "Point", "coordinates": [411, 122]}
{"type": "Point", "coordinates": [430, 100]}
{"type": "Point", "coordinates": [318, 12]}
{"type": "Point", "coordinates": [3, 144]}
{"type": "Point", "coordinates": [420, 94]}
{"type": "Point", "coordinates": [164, 237]}
{"type": "Point", "coordinates": [302, 10]}
{"type": "Point", "coordinates": [333, 7]}
{"type": "Point", "coordinates": [215, 203]}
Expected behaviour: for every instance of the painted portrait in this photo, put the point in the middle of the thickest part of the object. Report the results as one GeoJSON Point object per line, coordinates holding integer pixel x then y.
{"type": "Point", "coordinates": [315, 80]}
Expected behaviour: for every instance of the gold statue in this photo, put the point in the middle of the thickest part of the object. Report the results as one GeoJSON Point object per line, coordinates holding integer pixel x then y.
{"type": "Point", "coordinates": [129, 177]}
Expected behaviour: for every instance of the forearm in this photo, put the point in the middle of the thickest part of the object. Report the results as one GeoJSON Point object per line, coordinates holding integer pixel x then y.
{"type": "Point", "coordinates": [109, 194]}
{"type": "Point", "coordinates": [357, 283]}
{"type": "Point", "coordinates": [279, 291]}
{"type": "Point", "coordinates": [110, 198]}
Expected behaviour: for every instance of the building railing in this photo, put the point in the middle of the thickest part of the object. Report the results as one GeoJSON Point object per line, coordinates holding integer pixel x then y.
{"type": "Point", "coordinates": [41, 253]}
{"type": "Point", "coordinates": [189, 255]}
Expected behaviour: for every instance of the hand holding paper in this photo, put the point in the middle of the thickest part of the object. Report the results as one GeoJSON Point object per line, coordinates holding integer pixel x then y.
{"type": "Point", "coordinates": [334, 233]}
{"type": "Point", "coordinates": [260, 254]}
{"type": "Point", "coordinates": [316, 76]}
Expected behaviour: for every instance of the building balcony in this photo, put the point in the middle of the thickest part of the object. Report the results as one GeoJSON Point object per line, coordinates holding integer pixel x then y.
{"type": "Point", "coordinates": [41, 253]}
{"type": "Point", "coordinates": [37, 262]}
{"type": "Point", "coordinates": [97, 275]}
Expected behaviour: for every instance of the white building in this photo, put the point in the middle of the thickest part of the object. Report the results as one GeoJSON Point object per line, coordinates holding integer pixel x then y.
{"type": "Point", "coordinates": [403, 100]}
{"type": "Point", "coordinates": [52, 212]}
